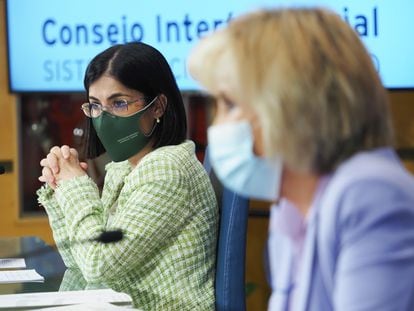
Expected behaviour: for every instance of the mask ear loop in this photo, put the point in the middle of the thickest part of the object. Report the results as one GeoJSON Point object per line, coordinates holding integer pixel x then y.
{"type": "Point", "coordinates": [153, 128]}
{"type": "Point", "coordinates": [147, 106]}
{"type": "Point", "coordinates": [157, 119]}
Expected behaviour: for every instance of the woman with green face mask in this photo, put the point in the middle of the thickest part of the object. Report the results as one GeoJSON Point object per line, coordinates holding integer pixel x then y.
{"type": "Point", "coordinates": [155, 190]}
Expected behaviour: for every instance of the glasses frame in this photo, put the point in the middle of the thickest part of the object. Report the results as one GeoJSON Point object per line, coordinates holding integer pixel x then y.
{"type": "Point", "coordinates": [86, 107]}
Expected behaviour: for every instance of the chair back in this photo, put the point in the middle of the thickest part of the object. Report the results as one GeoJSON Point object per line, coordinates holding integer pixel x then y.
{"type": "Point", "coordinates": [231, 246]}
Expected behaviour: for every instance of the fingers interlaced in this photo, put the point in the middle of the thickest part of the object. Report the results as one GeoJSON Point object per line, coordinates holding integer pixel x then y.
{"type": "Point", "coordinates": [47, 174]}
{"type": "Point", "coordinates": [44, 162]}
{"type": "Point", "coordinates": [48, 177]}
{"type": "Point", "coordinates": [56, 150]}
{"type": "Point", "coordinates": [83, 165]}
{"type": "Point", "coordinates": [74, 152]}
{"type": "Point", "coordinates": [65, 151]}
{"type": "Point", "coordinates": [59, 159]}
{"type": "Point", "coordinates": [52, 162]}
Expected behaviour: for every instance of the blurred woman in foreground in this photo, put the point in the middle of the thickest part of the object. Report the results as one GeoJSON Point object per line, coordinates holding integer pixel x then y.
{"type": "Point", "coordinates": [302, 120]}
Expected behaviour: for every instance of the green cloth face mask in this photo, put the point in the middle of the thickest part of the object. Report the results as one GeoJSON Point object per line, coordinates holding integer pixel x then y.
{"type": "Point", "coordinates": [121, 136]}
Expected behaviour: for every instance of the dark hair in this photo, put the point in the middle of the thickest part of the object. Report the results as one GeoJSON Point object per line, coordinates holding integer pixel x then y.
{"type": "Point", "coordinates": [143, 68]}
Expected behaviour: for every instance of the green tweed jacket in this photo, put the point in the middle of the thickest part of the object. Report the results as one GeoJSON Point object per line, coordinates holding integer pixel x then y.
{"type": "Point", "coordinates": [168, 212]}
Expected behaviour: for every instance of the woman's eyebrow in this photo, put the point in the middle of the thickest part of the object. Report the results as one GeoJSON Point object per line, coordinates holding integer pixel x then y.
{"type": "Point", "coordinates": [94, 98]}
{"type": "Point", "coordinates": [119, 94]}
{"type": "Point", "coordinates": [112, 96]}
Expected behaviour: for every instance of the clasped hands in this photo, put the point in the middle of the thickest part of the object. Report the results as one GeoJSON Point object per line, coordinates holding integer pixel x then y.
{"type": "Point", "coordinates": [62, 163]}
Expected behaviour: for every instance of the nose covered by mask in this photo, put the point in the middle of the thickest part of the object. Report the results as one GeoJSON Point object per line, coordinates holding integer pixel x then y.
{"type": "Point", "coordinates": [237, 167]}
{"type": "Point", "coordinates": [121, 136]}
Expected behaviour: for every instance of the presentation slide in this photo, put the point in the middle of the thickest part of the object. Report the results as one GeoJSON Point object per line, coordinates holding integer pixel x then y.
{"type": "Point", "coordinates": [51, 42]}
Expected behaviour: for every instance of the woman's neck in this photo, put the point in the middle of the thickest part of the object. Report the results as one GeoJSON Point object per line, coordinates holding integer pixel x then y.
{"type": "Point", "coordinates": [300, 189]}
{"type": "Point", "coordinates": [134, 160]}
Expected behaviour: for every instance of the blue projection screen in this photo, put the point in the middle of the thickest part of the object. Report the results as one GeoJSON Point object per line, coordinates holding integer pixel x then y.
{"type": "Point", "coordinates": [50, 42]}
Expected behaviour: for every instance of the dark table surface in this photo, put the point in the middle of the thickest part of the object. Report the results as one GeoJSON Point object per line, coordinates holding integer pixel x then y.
{"type": "Point", "coordinates": [47, 261]}
{"type": "Point", "coordinates": [39, 256]}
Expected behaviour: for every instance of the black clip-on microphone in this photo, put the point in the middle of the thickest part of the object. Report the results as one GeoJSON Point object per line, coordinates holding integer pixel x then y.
{"type": "Point", "coordinates": [105, 237]}
{"type": "Point", "coordinates": [108, 237]}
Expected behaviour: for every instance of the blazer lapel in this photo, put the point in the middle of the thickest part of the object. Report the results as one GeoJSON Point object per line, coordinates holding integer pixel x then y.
{"type": "Point", "coordinates": [114, 181]}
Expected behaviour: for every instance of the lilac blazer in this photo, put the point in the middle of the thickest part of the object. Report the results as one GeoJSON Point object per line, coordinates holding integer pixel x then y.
{"type": "Point", "coordinates": [359, 247]}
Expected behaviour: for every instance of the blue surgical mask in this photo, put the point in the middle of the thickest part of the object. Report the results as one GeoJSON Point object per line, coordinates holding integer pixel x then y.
{"type": "Point", "coordinates": [237, 167]}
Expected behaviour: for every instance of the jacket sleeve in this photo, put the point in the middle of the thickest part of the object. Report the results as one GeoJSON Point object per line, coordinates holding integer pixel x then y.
{"type": "Point", "coordinates": [152, 208]}
{"type": "Point", "coordinates": [56, 217]}
{"type": "Point", "coordinates": [375, 264]}
{"type": "Point", "coordinates": [73, 280]}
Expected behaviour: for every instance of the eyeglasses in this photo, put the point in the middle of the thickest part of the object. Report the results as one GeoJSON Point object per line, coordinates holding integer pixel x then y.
{"type": "Point", "coordinates": [119, 107]}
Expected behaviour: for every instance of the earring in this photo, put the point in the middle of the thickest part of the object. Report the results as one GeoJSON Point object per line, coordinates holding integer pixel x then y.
{"type": "Point", "coordinates": [158, 120]}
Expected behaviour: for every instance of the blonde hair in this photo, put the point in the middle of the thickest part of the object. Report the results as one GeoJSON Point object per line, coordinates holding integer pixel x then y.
{"type": "Point", "coordinates": [309, 79]}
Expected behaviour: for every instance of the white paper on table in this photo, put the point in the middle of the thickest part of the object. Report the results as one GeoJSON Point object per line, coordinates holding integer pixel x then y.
{"type": "Point", "coordinates": [48, 299]}
{"type": "Point", "coordinates": [18, 276]}
{"type": "Point", "coordinates": [12, 263]}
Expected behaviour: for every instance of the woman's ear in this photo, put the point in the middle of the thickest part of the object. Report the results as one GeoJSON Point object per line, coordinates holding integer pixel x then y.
{"type": "Point", "coordinates": [159, 106]}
